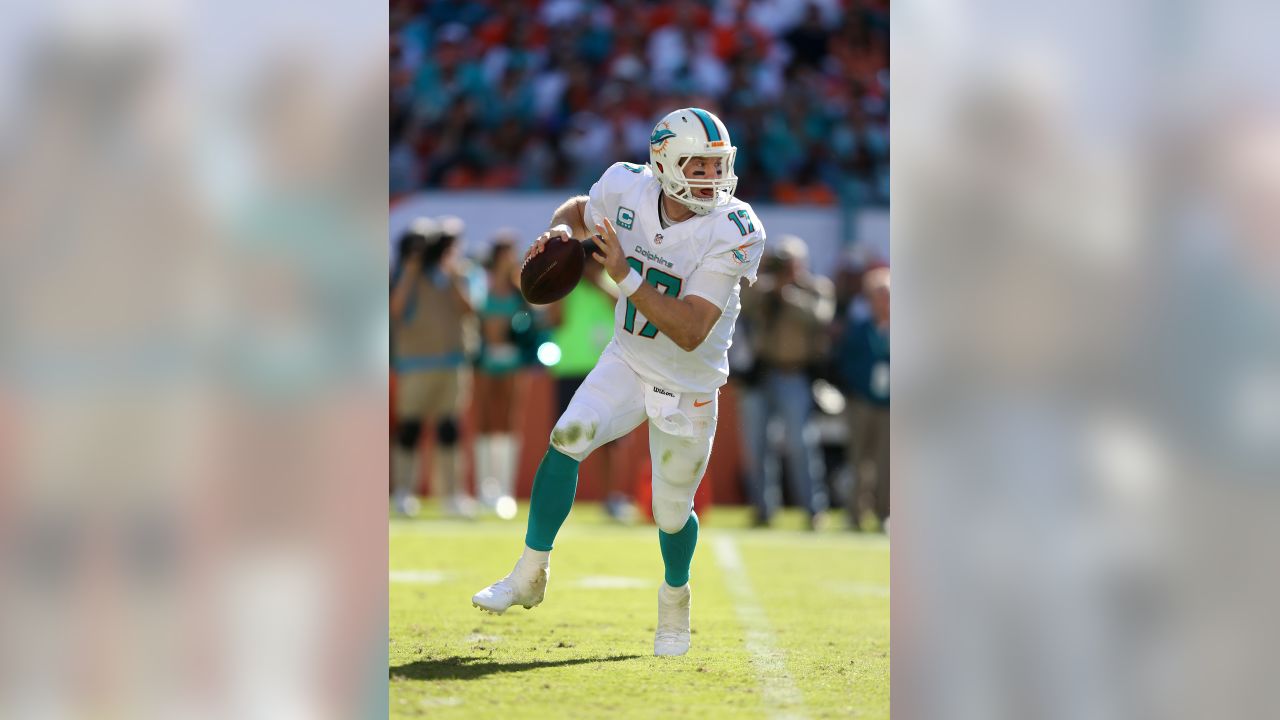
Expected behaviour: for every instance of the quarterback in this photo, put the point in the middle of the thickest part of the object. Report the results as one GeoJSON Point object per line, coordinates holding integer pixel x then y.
{"type": "Point", "coordinates": [678, 243]}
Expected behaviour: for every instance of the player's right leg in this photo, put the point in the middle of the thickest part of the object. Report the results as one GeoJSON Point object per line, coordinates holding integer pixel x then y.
{"type": "Point", "coordinates": [608, 405]}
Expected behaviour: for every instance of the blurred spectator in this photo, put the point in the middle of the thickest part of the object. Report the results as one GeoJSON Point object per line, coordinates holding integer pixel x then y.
{"type": "Point", "coordinates": [429, 305]}
{"type": "Point", "coordinates": [809, 39]}
{"type": "Point", "coordinates": [746, 375]}
{"type": "Point", "coordinates": [735, 36]}
{"type": "Point", "coordinates": [481, 97]}
{"type": "Point", "coordinates": [583, 327]}
{"type": "Point", "coordinates": [864, 368]}
{"type": "Point", "coordinates": [792, 314]}
{"type": "Point", "coordinates": [496, 390]}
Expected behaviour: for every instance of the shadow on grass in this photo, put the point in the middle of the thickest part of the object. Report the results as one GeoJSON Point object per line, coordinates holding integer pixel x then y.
{"type": "Point", "coordinates": [470, 668]}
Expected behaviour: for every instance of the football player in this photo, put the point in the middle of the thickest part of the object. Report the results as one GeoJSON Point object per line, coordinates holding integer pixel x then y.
{"type": "Point", "coordinates": [678, 243]}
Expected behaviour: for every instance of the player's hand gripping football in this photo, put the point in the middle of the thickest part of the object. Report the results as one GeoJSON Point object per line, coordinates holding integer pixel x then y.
{"type": "Point", "coordinates": [559, 231]}
{"type": "Point", "coordinates": [608, 252]}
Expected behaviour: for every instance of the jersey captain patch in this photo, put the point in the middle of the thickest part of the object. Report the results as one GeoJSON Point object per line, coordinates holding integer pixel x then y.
{"type": "Point", "coordinates": [626, 217]}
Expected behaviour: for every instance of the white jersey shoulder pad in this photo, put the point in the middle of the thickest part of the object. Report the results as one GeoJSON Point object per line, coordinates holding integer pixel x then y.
{"type": "Point", "coordinates": [624, 176]}
{"type": "Point", "coordinates": [738, 239]}
{"type": "Point", "coordinates": [620, 179]}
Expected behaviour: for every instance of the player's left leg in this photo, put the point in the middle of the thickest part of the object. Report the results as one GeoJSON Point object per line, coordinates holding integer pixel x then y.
{"type": "Point", "coordinates": [608, 404]}
{"type": "Point", "coordinates": [679, 463]}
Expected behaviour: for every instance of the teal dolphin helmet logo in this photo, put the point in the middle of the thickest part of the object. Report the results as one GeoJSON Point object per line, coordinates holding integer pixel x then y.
{"type": "Point", "coordinates": [660, 135]}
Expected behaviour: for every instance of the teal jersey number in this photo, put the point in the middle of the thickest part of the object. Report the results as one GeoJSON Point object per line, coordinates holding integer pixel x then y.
{"type": "Point", "coordinates": [633, 167]}
{"type": "Point", "coordinates": [668, 283]}
{"type": "Point", "coordinates": [629, 322]}
{"type": "Point", "coordinates": [744, 229]}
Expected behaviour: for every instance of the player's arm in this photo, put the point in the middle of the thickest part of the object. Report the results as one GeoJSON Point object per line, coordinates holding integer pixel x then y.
{"type": "Point", "coordinates": [568, 221]}
{"type": "Point", "coordinates": [687, 321]}
{"type": "Point", "coordinates": [573, 214]}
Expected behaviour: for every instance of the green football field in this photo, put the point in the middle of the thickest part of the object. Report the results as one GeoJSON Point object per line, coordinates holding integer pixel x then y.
{"type": "Point", "coordinates": [786, 623]}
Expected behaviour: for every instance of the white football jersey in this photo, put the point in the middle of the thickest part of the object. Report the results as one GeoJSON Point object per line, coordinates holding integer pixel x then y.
{"type": "Point", "coordinates": [729, 240]}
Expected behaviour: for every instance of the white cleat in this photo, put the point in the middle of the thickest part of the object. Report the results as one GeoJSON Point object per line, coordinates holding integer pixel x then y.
{"type": "Point", "coordinates": [525, 585]}
{"type": "Point", "coordinates": [672, 636]}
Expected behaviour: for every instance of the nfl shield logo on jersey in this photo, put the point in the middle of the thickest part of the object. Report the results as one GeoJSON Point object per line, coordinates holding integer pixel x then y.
{"type": "Point", "coordinates": [657, 239]}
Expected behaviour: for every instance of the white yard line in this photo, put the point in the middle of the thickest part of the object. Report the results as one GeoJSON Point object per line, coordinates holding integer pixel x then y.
{"type": "Point", "coordinates": [781, 696]}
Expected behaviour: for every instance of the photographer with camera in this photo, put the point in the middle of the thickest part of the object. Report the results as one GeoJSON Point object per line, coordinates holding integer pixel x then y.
{"type": "Point", "coordinates": [429, 311]}
{"type": "Point", "coordinates": [791, 311]}
{"type": "Point", "coordinates": [864, 369]}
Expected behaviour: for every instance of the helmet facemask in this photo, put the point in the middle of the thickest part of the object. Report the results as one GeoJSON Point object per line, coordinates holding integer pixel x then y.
{"type": "Point", "coordinates": [683, 189]}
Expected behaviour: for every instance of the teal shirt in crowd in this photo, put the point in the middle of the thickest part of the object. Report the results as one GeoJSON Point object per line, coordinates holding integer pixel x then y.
{"type": "Point", "coordinates": [864, 362]}
{"type": "Point", "coordinates": [503, 358]}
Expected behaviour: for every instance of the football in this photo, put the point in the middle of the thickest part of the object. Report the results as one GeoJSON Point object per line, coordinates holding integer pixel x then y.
{"type": "Point", "coordinates": [552, 273]}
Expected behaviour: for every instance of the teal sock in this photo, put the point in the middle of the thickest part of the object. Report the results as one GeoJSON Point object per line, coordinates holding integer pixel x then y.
{"type": "Point", "coordinates": [677, 551]}
{"type": "Point", "coordinates": [553, 489]}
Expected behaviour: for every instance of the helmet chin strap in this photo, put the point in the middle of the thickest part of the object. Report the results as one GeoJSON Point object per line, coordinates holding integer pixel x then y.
{"type": "Point", "coordinates": [663, 220]}
{"type": "Point", "coordinates": [693, 208]}
{"type": "Point", "coordinates": [664, 215]}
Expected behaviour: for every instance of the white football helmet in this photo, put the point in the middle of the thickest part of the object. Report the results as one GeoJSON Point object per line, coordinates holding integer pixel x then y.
{"type": "Point", "coordinates": [687, 133]}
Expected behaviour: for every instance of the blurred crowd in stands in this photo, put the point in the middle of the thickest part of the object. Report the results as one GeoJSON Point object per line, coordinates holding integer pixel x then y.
{"type": "Point", "coordinates": [537, 94]}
